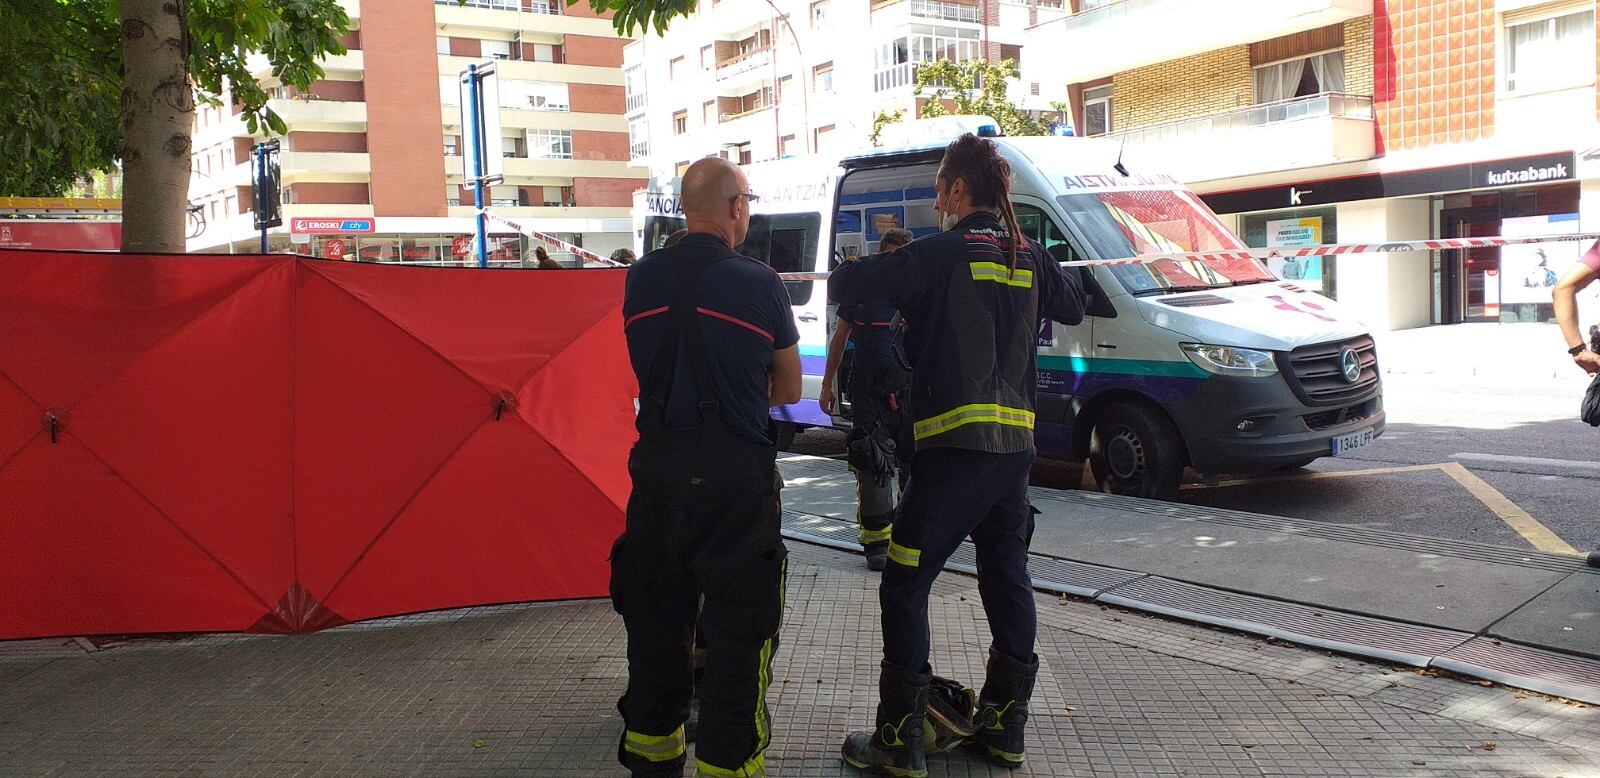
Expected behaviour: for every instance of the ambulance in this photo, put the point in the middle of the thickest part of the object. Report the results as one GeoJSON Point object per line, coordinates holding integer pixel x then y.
{"type": "Point", "coordinates": [1193, 362]}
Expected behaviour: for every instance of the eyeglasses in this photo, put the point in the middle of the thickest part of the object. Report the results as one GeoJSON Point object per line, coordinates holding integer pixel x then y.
{"type": "Point", "coordinates": [751, 196]}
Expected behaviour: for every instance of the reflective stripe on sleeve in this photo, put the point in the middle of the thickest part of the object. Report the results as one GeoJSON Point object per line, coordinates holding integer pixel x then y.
{"type": "Point", "coordinates": [1002, 274]}
{"type": "Point", "coordinates": [973, 414]}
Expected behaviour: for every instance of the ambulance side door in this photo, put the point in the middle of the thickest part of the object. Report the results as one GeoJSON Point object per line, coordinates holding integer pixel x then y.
{"type": "Point", "coordinates": [1065, 352]}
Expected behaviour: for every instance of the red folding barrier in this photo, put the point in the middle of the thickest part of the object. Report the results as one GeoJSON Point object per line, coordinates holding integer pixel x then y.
{"type": "Point", "coordinates": [279, 444]}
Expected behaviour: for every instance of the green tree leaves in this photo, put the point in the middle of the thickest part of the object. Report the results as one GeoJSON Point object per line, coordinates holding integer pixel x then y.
{"type": "Point", "coordinates": [61, 76]}
{"type": "Point", "coordinates": [978, 88]}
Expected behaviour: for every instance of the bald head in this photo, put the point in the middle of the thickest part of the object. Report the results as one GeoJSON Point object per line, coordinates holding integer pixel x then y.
{"type": "Point", "coordinates": [712, 201]}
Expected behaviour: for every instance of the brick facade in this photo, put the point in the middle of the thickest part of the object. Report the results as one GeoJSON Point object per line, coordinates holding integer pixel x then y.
{"type": "Point", "coordinates": [1358, 56]}
{"type": "Point", "coordinates": [328, 141]}
{"type": "Point", "coordinates": [597, 98]}
{"type": "Point", "coordinates": [589, 50]}
{"type": "Point", "coordinates": [605, 192]}
{"type": "Point", "coordinates": [330, 193]}
{"type": "Point", "coordinates": [603, 146]}
{"type": "Point", "coordinates": [1187, 88]}
{"type": "Point", "coordinates": [1434, 71]}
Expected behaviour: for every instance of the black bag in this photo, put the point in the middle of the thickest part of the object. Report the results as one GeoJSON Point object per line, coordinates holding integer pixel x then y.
{"type": "Point", "coordinates": [1590, 410]}
{"type": "Point", "coordinates": [1591, 403]}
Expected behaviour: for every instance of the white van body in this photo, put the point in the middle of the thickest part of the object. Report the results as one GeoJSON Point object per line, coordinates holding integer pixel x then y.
{"type": "Point", "coordinates": [789, 229]}
{"type": "Point", "coordinates": [1212, 364]}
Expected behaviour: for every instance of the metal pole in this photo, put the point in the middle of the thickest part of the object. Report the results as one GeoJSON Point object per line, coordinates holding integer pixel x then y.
{"type": "Point", "coordinates": [479, 149]}
{"type": "Point", "coordinates": [261, 191]}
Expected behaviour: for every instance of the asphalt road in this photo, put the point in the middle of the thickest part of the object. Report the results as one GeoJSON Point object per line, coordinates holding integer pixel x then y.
{"type": "Point", "coordinates": [1501, 460]}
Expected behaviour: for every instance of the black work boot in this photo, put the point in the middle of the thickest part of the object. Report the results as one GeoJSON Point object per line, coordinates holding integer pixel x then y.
{"type": "Point", "coordinates": [877, 556]}
{"type": "Point", "coordinates": [1003, 708]}
{"type": "Point", "coordinates": [876, 531]}
{"type": "Point", "coordinates": [894, 748]}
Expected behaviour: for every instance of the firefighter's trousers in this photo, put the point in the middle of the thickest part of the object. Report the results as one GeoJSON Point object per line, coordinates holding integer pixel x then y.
{"type": "Point", "coordinates": [674, 550]}
{"type": "Point", "coordinates": [954, 494]}
{"type": "Point", "coordinates": [875, 411]}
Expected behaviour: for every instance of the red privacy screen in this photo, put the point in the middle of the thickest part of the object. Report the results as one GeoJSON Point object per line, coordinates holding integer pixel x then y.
{"type": "Point", "coordinates": [277, 444]}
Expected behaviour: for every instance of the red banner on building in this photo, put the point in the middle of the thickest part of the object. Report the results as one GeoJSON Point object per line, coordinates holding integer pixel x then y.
{"type": "Point", "coordinates": [278, 444]}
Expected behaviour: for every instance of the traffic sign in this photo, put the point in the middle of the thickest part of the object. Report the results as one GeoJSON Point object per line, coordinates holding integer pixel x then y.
{"type": "Point", "coordinates": [317, 225]}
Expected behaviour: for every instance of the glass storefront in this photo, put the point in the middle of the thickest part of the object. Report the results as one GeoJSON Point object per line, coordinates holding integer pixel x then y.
{"type": "Point", "coordinates": [1297, 228]}
{"type": "Point", "coordinates": [440, 250]}
{"type": "Point", "coordinates": [1512, 283]}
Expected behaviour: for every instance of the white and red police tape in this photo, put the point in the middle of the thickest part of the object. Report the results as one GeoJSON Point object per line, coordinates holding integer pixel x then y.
{"type": "Point", "coordinates": [551, 240]}
{"type": "Point", "coordinates": [1330, 250]}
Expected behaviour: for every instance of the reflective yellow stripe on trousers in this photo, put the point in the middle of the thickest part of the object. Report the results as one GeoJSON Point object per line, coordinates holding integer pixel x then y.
{"type": "Point", "coordinates": [1002, 274]}
{"type": "Point", "coordinates": [755, 768]}
{"type": "Point", "coordinates": [973, 414]}
{"type": "Point", "coordinates": [656, 748]}
{"type": "Point", "coordinates": [901, 555]}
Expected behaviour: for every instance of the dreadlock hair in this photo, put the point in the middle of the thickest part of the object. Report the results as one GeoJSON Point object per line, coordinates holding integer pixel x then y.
{"type": "Point", "coordinates": [978, 162]}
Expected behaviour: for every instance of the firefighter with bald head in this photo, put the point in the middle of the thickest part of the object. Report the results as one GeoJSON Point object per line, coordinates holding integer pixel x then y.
{"type": "Point", "coordinates": [712, 342]}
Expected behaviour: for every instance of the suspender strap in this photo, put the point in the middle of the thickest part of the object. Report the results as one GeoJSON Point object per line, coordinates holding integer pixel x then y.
{"type": "Point", "coordinates": [684, 334]}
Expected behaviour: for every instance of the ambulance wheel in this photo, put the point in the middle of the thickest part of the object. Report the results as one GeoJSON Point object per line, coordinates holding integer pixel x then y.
{"type": "Point", "coordinates": [786, 432]}
{"type": "Point", "coordinates": [1136, 451]}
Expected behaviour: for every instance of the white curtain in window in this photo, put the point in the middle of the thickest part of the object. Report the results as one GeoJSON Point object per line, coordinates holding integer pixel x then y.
{"type": "Point", "coordinates": [1279, 82]}
{"type": "Point", "coordinates": [1329, 70]}
{"type": "Point", "coordinates": [1530, 52]}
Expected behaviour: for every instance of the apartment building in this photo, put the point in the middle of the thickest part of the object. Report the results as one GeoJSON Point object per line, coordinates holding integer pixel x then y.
{"type": "Point", "coordinates": [753, 81]}
{"type": "Point", "coordinates": [1315, 121]}
{"type": "Point", "coordinates": [374, 147]}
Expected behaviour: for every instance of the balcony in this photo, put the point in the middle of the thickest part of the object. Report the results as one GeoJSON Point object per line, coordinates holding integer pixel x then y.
{"type": "Point", "coordinates": [1129, 34]}
{"type": "Point", "coordinates": [553, 7]}
{"type": "Point", "coordinates": [945, 11]}
{"type": "Point", "coordinates": [895, 77]}
{"type": "Point", "coordinates": [321, 115]}
{"type": "Point", "coordinates": [736, 116]}
{"type": "Point", "coordinates": [751, 65]}
{"type": "Point", "coordinates": [904, 76]}
{"type": "Point", "coordinates": [1325, 129]}
{"type": "Point", "coordinates": [325, 166]}
{"type": "Point", "coordinates": [636, 103]}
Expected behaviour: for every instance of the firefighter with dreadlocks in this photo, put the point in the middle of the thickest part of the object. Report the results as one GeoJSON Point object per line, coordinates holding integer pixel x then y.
{"type": "Point", "coordinates": [880, 440]}
{"type": "Point", "coordinates": [973, 298]}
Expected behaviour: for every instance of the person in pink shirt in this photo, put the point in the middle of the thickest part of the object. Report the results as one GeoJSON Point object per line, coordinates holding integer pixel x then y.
{"type": "Point", "coordinates": [1580, 275]}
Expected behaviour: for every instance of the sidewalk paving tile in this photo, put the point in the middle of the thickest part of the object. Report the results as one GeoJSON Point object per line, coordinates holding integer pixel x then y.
{"type": "Point", "coordinates": [530, 690]}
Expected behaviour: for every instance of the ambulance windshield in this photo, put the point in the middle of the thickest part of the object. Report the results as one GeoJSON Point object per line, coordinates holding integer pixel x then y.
{"type": "Point", "coordinates": [1128, 223]}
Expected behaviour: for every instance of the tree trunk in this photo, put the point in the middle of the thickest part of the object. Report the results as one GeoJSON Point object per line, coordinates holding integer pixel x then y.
{"type": "Point", "coordinates": [157, 119]}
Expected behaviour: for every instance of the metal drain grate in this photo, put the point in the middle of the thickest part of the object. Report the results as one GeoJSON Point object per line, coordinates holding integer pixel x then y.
{"type": "Point", "coordinates": [1526, 667]}
{"type": "Point", "coordinates": [1421, 544]}
{"type": "Point", "coordinates": [820, 530]}
{"type": "Point", "coordinates": [1334, 630]}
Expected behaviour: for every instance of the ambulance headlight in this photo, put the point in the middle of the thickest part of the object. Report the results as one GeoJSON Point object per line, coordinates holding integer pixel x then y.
{"type": "Point", "coordinates": [1231, 360]}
